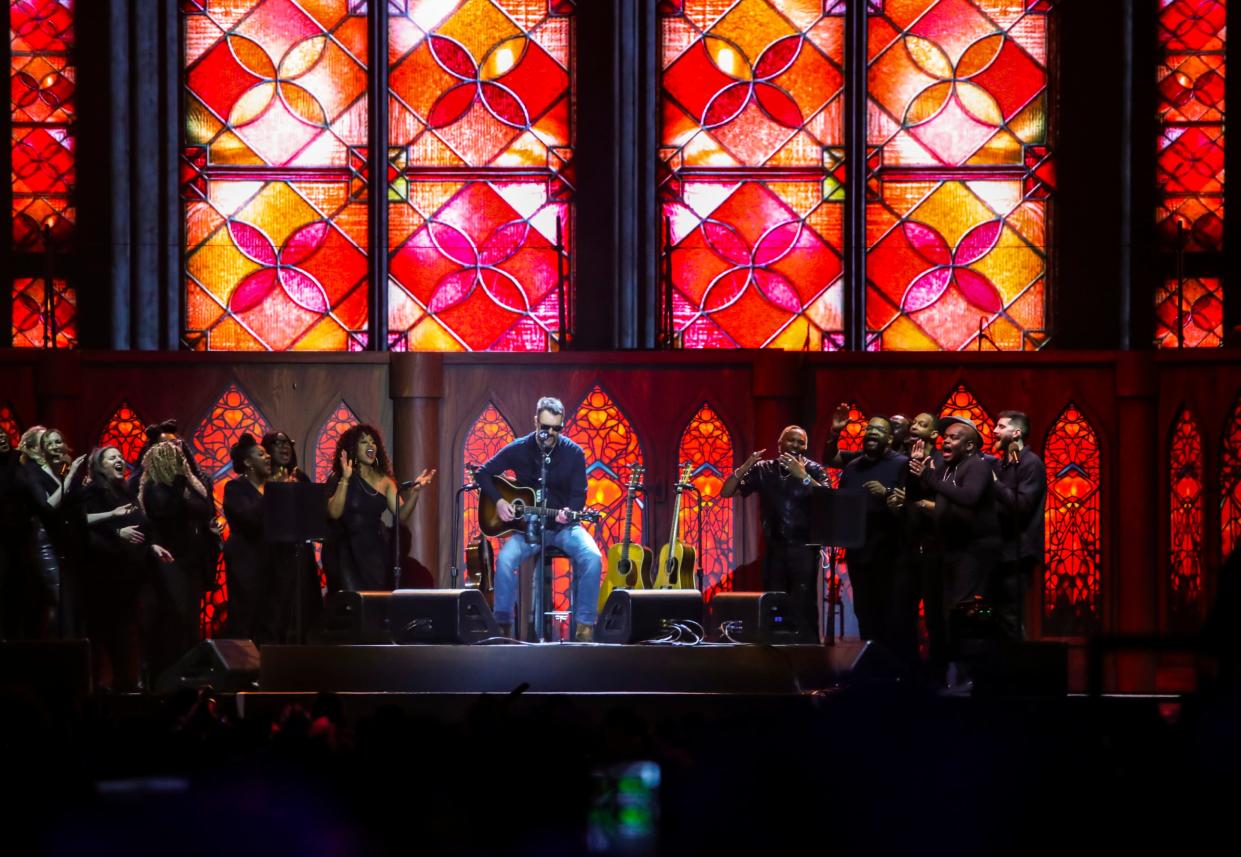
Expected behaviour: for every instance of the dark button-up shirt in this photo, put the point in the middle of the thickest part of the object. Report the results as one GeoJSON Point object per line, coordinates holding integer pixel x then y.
{"type": "Point", "coordinates": [783, 501]}
{"type": "Point", "coordinates": [882, 526]}
{"type": "Point", "coordinates": [1021, 491]}
{"type": "Point", "coordinates": [965, 504]}
{"type": "Point", "coordinates": [566, 472]}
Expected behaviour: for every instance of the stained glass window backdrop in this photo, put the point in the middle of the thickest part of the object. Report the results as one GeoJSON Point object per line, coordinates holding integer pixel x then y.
{"type": "Point", "coordinates": [963, 403]}
{"type": "Point", "coordinates": [752, 156]}
{"type": "Point", "coordinates": [126, 431]}
{"type": "Point", "coordinates": [337, 423]}
{"type": "Point", "coordinates": [1196, 304]}
{"type": "Point", "coordinates": [230, 416]}
{"type": "Point", "coordinates": [487, 436]}
{"type": "Point", "coordinates": [1185, 521]}
{"type": "Point", "coordinates": [9, 425]}
{"type": "Point", "coordinates": [1190, 147]}
{"type": "Point", "coordinates": [274, 175]}
{"type": "Point", "coordinates": [612, 450]}
{"type": "Point", "coordinates": [959, 175]}
{"type": "Point", "coordinates": [1073, 553]}
{"type": "Point", "coordinates": [480, 149]}
{"type": "Point", "coordinates": [43, 318]}
{"type": "Point", "coordinates": [707, 445]}
{"type": "Point", "coordinates": [43, 110]}
{"type": "Point", "coordinates": [1230, 483]}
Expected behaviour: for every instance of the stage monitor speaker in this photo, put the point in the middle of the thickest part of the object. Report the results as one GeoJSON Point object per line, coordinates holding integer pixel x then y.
{"type": "Point", "coordinates": [634, 615]}
{"type": "Point", "coordinates": [752, 617]}
{"type": "Point", "coordinates": [1017, 668]}
{"type": "Point", "coordinates": [440, 616]}
{"type": "Point", "coordinates": [228, 665]}
{"type": "Point", "coordinates": [354, 617]}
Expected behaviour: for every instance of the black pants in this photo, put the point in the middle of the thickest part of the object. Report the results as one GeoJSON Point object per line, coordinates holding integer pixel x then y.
{"type": "Point", "coordinates": [1007, 593]}
{"type": "Point", "coordinates": [967, 575]}
{"type": "Point", "coordinates": [926, 574]}
{"type": "Point", "coordinates": [794, 568]}
{"type": "Point", "coordinates": [178, 592]}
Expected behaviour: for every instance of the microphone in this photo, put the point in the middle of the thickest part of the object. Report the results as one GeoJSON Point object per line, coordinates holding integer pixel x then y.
{"type": "Point", "coordinates": [544, 434]}
{"type": "Point", "coordinates": [405, 486]}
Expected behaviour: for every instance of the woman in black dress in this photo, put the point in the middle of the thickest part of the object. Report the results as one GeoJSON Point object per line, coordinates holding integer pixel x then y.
{"type": "Point", "coordinates": [248, 560]}
{"type": "Point", "coordinates": [181, 512]}
{"type": "Point", "coordinates": [115, 567]}
{"type": "Point", "coordinates": [357, 553]}
{"type": "Point", "coordinates": [43, 484]}
{"type": "Point", "coordinates": [295, 565]}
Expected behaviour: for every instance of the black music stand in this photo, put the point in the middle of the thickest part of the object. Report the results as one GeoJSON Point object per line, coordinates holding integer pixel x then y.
{"type": "Point", "coordinates": [837, 520]}
{"type": "Point", "coordinates": [295, 513]}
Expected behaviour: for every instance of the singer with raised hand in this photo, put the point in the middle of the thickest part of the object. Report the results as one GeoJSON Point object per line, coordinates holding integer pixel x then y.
{"type": "Point", "coordinates": [546, 448]}
{"type": "Point", "coordinates": [784, 485]}
{"type": "Point", "coordinates": [357, 553]}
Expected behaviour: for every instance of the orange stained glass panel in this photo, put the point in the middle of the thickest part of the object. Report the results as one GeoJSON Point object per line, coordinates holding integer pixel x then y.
{"type": "Point", "coordinates": [708, 446]}
{"type": "Point", "coordinates": [126, 431]}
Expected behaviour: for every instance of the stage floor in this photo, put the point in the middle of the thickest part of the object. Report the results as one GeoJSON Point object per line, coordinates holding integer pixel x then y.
{"type": "Point", "coordinates": [580, 668]}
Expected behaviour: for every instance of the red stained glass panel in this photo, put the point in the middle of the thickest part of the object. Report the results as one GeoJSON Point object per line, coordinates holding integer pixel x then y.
{"type": "Point", "coordinates": [707, 445]}
{"type": "Point", "coordinates": [480, 173]}
{"type": "Point", "coordinates": [232, 415]}
{"type": "Point", "coordinates": [337, 423]}
{"type": "Point", "coordinates": [274, 175]}
{"type": "Point", "coordinates": [753, 149]}
{"type": "Point", "coordinates": [41, 320]}
{"type": "Point", "coordinates": [1073, 518]}
{"type": "Point", "coordinates": [960, 175]}
{"type": "Point", "coordinates": [612, 450]}
{"type": "Point", "coordinates": [1185, 521]}
{"type": "Point", "coordinates": [487, 436]}
{"type": "Point", "coordinates": [1190, 88]}
{"type": "Point", "coordinates": [1201, 315]}
{"type": "Point", "coordinates": [126, 431]}
{"type": "Point", "coordinates": [961, 402]}
{"type": "Point", "coordinates": [9, 425]}
{"type": "Point", "coordinates": [43, 110]}
{"type": "Point", "coordinates": [1230, 483]}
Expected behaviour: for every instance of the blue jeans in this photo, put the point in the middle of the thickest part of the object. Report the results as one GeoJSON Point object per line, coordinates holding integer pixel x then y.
{"type": "Point", "coordinates": [587, 564]}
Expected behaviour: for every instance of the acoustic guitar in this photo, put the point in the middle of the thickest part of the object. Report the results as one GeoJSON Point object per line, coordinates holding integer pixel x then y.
{"type": "Point", "coordinates": [676, 559]}
{"type": "Point", "coordinates": [522, 500]}
{"type": "Point", "coordinates": [628, 563]}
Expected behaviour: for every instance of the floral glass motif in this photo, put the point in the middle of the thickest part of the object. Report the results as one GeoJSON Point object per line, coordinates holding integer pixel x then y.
{"type": "Point", "coordinates": [9, 425]}
{"type": "Point", "coordinates": [1230, 483]}
{"type": "Point", "coordinates": [1201, 317]}
{"type": "Point", "coordinates": [960, 175]}
{"type": "Point", "coordinates": [480, 173]}
{"type": "Point", "coordinates": [962, 403]}
{"type": "Point", "coordinates": [126, 431]}
{"type": "Point", "coordinates": [33, 325]}
{"type": "Point", "coordinates": [1190, 144]}
{"type": "Point", "coordinates": [752, 187]}
{"type": "Point", "coordinates": [489, 434]}
{"type": "Point", "coordinates": [1185, 521]}
{"type": "Point", "coordinates": [612, 450]}
{"type": "Point", "coordinates": [1073, 553]}
{"type": "Point", "coordinates": [231, 416]}
{"type": "Point", "coordinates": [274, 175]}
{"type": "Point", "coordinates": [337, 423]}
{"type": "Point", "coordinates": [707, 445]}
{"type": "Point", "coordinates": [42, 76]}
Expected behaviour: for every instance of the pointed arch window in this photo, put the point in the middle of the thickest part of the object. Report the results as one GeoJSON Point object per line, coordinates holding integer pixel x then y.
{"type": "Point", "coordinates": [1185, 521]}
{"type": "Point", "coordinates": [1230, 483]}
{"type": "Point", "coordinates": [707, 445]}
{"type": "Point", "coordinates": [1073, 555]}
{"type": "Point", "coordinates": [337, 423]}
{"type": "Point", "coordinates": [126, 431]}
{"type": "Point", "coordinates": [962, 402]}
{"type": "Point", "coordinates": [490, 433]}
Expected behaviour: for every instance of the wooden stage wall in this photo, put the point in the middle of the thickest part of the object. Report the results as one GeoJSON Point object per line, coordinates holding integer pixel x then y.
{"type": "Point", "coordinates": [426, 404]}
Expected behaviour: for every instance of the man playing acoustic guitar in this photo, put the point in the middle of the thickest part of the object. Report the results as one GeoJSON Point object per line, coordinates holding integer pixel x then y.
{"type": "Point", "coordinates": [565, 490]}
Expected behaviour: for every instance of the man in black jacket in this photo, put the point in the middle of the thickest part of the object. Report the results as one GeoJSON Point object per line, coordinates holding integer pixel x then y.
{"type": "Point", "coordinates": [565, 490]}
{"type": "Point", "coordinates": [1021, 493]}
{"type": "Point", "coordinates": [966, 516]}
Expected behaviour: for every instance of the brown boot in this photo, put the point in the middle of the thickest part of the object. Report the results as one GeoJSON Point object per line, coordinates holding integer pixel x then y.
{"type": "Point", "coordinates": [585, 634]}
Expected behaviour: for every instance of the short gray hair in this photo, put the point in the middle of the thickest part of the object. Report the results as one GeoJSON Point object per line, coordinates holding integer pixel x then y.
{"type": "Point", "coordinates": [550, 404]}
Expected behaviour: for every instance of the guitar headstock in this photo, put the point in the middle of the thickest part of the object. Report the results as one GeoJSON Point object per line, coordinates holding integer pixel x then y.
{"type": "Point", "coordinates": [687, 468]}
{"type": "Point", "coordinates": [591, 516]}
{"type": "Point", "coordinates": [635, 477]}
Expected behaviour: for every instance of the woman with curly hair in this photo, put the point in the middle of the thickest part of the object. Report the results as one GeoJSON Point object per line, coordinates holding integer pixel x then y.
{"type": "Point", "coordinates": [357, 553]}
{"type": "Point", "coordinates": [181, 512]}
{"type": "Point", "coordinates": [44, 481]}
{"type": "Point", "coordinates": [115, 569]}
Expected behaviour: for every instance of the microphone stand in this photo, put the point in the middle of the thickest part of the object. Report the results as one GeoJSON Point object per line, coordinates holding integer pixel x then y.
{"type": "Point", "coordinates": [457, 520]}
{"type": "Point", "coordinates": [540, 593]}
